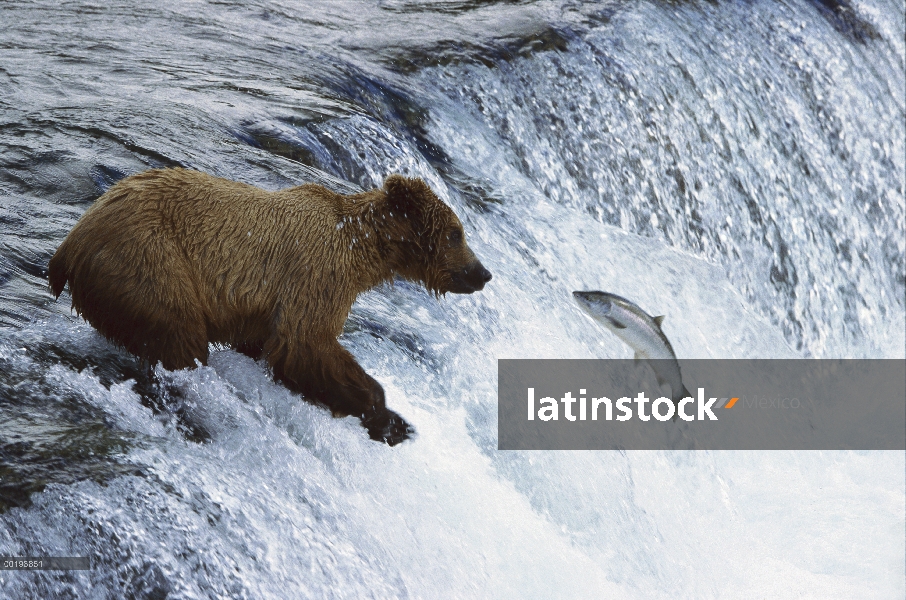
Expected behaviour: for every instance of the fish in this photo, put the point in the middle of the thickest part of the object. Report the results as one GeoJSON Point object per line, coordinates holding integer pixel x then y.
{"type": "Point", "coordinates": [640, 331]}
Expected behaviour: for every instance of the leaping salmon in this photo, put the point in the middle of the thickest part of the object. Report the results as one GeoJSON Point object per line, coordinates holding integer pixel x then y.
{"type": "Point", "coordinates": [640, 331]}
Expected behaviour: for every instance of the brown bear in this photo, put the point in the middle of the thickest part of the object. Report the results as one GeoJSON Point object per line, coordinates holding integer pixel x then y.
{"type": "Point", "coordinates": [171, 260]}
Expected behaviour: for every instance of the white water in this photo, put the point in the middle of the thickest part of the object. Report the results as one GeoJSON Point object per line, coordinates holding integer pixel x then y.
{"type": "Point", "coordinates": [283, 501]}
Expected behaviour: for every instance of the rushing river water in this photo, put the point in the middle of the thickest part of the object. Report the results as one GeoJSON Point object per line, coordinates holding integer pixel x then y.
{"type": "Point", "coordinates": [736, 166]}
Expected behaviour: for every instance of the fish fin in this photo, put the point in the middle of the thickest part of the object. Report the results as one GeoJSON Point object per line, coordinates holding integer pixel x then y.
{"type": "Point", "coordinates": [615, 323]}
{"type": "Point", "coordinates": [658, 320]}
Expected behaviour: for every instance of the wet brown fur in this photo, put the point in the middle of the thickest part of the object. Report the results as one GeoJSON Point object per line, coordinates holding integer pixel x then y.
{"type": "Point", "coordinates": [168, 261]}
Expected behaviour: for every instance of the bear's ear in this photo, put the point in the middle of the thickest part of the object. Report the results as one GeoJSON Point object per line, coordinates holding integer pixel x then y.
{"type": "Point", "coordinates": [405, 195]}
{"type": "Point", "coordinates": [396, 186]}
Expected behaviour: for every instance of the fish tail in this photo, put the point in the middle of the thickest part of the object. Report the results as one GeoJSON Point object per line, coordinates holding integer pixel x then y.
{"type": "Point", "coordinates": [684, 393]}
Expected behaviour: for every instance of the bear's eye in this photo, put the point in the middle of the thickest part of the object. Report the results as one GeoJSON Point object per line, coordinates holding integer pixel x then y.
{"type": "Point", "coordinates": [455, 236]}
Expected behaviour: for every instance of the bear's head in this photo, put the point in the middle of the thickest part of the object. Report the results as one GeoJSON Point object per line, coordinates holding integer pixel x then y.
{"type": "Point", "coordinates": [428, 244]}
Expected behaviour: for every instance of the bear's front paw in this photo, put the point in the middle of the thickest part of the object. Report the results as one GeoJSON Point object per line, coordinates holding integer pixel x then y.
{"type": "Point", "coordinates": [386, 426]}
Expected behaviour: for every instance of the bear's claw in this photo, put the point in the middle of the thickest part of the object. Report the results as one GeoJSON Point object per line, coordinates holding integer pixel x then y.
{"type": "Point", "coordinates": [386, 426]}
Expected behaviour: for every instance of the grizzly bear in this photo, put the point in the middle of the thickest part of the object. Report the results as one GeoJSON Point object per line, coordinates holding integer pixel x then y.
{"type": "Point", "coordinates": [171, 260]}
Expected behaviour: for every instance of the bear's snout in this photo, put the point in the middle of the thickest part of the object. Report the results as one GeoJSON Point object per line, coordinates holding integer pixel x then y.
{"type": "Point", "coordinates": [471, 279]}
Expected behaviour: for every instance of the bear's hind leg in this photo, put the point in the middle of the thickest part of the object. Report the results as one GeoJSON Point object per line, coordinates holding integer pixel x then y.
{"type": "Point", "coordinates": [149, 307]}
{"type": "Point", "coordinates": [253, 350]}
{"type": "Point", "coordinates": [180, 344]}
{"type": "Point", "coordinates": [175, 328]}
